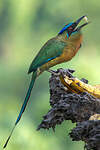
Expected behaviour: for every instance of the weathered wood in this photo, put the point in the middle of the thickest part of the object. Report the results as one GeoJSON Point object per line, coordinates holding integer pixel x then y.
{"type": "Point", "coordinates": [78, 108]}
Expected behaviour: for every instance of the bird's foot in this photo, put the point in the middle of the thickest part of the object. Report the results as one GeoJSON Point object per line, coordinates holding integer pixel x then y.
{"type": "Point", "coordinates": [56, 73]}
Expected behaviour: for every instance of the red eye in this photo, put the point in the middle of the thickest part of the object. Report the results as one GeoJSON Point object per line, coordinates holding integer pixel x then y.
{"type": "Point", "coordinates": [70, 28]}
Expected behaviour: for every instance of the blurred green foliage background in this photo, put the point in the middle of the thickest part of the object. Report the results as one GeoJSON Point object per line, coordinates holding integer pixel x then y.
{"type": "Point", "coordinates": [25, 25]}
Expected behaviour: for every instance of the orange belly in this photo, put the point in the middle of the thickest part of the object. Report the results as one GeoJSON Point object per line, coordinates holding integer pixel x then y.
{"type": "Point", "coordinates": [68, 53]}
{"type": "Point", "coordinates": [66, 56]}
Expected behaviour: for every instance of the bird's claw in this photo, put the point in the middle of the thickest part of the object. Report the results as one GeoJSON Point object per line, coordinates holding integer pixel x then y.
{"type": "Point", "coordinates": [56, 73]}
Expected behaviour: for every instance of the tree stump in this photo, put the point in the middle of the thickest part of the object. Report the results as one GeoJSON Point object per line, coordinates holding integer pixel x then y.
{"type": "Point", "coordinates": [66, 105]}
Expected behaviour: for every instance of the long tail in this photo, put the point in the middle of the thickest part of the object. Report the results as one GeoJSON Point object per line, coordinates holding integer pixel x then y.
{"type": "Point", "coordinates": [34, 75]}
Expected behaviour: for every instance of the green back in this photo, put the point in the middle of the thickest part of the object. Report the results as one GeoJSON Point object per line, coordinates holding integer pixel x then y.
{"type": "Point", "coordinates": [52, 49]}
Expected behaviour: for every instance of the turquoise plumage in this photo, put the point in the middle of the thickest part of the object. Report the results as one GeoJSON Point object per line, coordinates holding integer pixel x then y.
{"type": "Point", "coordinates": [52, 49]}
{"type": "Point", "coordinates": [59, 49]}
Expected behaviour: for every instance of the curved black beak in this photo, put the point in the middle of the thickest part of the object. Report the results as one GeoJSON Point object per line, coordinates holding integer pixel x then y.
{"type": "Point", "coordinates": [78, 21]}
{"type": "Point", "coordinates": [73, 28]}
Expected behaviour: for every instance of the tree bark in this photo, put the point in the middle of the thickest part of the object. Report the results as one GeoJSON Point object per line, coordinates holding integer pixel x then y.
{"type": "Point", "coordinates": [78, 108]}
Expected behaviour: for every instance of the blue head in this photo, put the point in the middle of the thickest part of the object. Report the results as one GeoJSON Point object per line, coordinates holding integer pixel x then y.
{"type": "Point", "coordinates": [72, 27]}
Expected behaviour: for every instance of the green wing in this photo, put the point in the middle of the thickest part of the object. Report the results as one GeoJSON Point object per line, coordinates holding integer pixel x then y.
{"type": "Point", "coordinates": [52, 49]}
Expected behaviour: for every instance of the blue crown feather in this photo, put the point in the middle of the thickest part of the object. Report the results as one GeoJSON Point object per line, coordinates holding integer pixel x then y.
{"type": "Point", "coordinates": [65, 27]}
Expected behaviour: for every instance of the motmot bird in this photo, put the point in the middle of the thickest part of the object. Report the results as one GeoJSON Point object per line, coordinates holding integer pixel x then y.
{"type": "Point", "coordinates": [57, 50]}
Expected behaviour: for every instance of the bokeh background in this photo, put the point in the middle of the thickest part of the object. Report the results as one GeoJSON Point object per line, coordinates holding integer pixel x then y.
{"type": "Point", "coordinates": [25, 25]}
